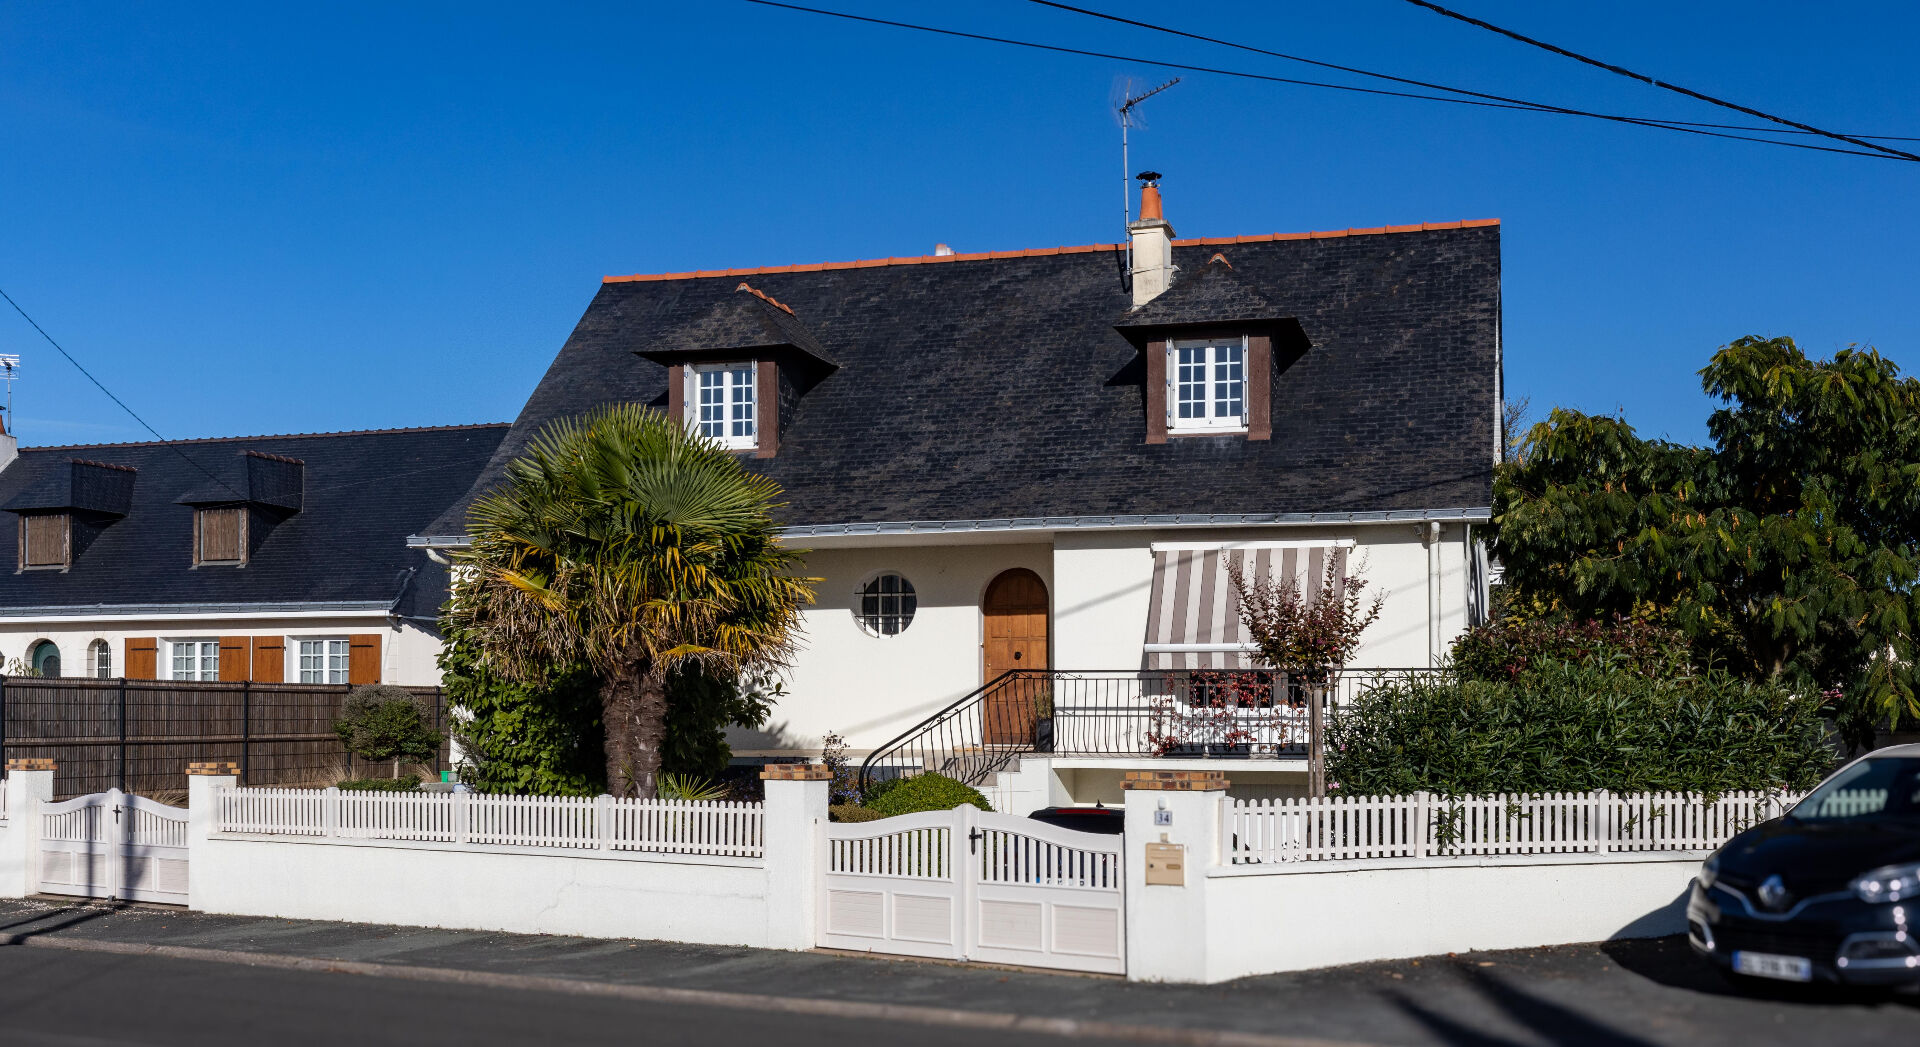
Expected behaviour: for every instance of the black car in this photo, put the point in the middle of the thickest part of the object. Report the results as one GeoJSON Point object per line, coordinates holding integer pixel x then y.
{"type": "Point", "coordinates": [1095, 819]}
{"type": "Point", "coordinates": [1828, 893]}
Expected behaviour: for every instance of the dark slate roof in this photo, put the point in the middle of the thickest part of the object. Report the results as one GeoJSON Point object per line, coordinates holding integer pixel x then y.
{"type": "Point", "coordinates": [80, 485]}
{"type": "Point", "coordinates": [364, 493]}
{"type": "Point", "coordinates": [976, 387]}
{"type": "Point", "coordinates": [742, 320]}
{"type": "Point", "coordinates": [1211, 294]}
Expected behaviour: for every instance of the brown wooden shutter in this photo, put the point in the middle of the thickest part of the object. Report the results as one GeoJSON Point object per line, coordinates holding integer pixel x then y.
{"type": "Point", "coordinates": [1259, 386]}
{"type": "Point", "coordinates": [234, 660]}
{"type": "Point", "coordinates": [766, 408]}
{"type": "Point", "coordinates": [269, 659]}
{"type": "Point", "coordinates": [46, 540]}
{"type": "Point", "coordinates": [221, 535]}
{"type": "Point", "coordinates": [363, 658]}
{"type": "Point", "coordinates": [142, 658]}
{"type": "Point", "coordinates": [677, 393]}
{"type": "Point", "coordinates": [1156, 392]}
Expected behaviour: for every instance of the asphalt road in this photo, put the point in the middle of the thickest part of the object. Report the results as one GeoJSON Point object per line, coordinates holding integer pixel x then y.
{"type": "Point", "coordinates": [282, 982]}
{"type": "Point", "coordinates": [78, 999]}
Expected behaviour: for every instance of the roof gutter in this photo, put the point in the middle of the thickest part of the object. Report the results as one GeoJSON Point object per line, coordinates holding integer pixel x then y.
{"type": "Point", "coordinates": [1086, 523]}
{"type": "Point", "coordinates": [103, 612]}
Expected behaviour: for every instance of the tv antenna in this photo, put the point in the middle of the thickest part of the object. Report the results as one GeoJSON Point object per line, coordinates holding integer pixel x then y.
{"type": "Point", "coordinates": [1125, 105]}
{"type": "Point", "coordinates": [9, 370]}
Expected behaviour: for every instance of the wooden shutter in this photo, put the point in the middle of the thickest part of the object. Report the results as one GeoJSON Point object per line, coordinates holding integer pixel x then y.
{"type": "Point", "coordinates": [1157, 392]}
{"type": "Point", "coordinates": [45, 539]}
{"type": "Point", "coordinates": [766, 408]}
{"type": "Point", "coordinates": [220, 535]}
{"type": "Point", "coordinates": [363, 658]}
{"type": "Point", "coordinates": [269, 659]}
{"type": "Point", "coordinates": [234, 662]}
{"type": "Point", "coordinates": [677, 393]}
{"type": "Point", "coordinates": [143, 657]}
{"type": "Point", "coordinates": [1259, 374]}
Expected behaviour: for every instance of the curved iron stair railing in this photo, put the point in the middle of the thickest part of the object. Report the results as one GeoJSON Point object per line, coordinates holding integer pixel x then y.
{"type": "Point", "coordinates": [955, 740]}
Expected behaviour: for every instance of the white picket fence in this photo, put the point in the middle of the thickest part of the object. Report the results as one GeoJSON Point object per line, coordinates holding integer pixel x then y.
{"type": "Point", "coordinates": [1430, 826]}
{"type": "Point", "coordinates": [599, 823]}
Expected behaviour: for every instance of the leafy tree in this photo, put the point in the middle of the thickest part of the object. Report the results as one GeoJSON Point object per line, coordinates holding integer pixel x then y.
{"type": "Point", "coordinates": [1787, 550]}
{"type": "Point", "coordinates": [1308, 632]}
{"type": "Point", "coordinates": [544, 738]}
{"type": "Point", "coordinates": [379, 723]}
{"type": "Point", "coordinates": [621, 543]}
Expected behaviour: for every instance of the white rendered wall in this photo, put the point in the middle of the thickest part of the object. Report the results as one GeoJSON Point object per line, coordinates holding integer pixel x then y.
{"type": "Point", "coordinates": [1260, 922]}
{"type": "Point", "coordinates": [669, 900]}
{"type": "Point", "coordinates": [870, 688]}
{"type": "Point", "coordinates": [407, 651]}
{"type": "Point", "coordinates": [1104, 580]}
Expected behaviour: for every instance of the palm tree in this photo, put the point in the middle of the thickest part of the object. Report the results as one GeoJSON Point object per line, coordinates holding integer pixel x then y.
{"type": "Point", "coordinates": [624, 543]}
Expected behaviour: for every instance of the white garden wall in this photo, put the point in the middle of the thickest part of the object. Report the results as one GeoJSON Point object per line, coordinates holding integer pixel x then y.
{"type": "Point", "coordinates": [1261, 920]}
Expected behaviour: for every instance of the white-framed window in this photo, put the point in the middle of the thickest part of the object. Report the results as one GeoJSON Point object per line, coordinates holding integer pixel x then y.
{"type": "Point", "coordinates": [194, 659]}
{"type": "Point", "coordinates": [1207, 385]}
{"type": "Point", "coordinates": [100, 659]}
{"type": "Point", "coordinates": [721, 402]}
{"type": "Point", "coordinates": [884, 606]}
{"type": "Point", "coordinates": [323, 661]}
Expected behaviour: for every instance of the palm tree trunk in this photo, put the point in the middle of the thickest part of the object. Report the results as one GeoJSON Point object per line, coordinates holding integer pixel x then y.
{"type": "Point", "coordinates": [633, 706]}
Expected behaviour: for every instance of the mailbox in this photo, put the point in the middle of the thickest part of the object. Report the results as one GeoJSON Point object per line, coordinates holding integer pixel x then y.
{"type": "Point", "coordinates": [1167, 864]}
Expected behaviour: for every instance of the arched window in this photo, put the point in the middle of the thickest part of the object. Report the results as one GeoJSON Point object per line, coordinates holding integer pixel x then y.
{"type": "Point", "coordinates": [100, 659]}
{"type": "Point", "coordinates": [885, 605]}
{"type": "Point", "coordinates": [44, 657]}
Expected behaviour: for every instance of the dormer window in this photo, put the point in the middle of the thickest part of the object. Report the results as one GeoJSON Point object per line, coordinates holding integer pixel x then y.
{"type": "Point", "coordinates": [1207, 385]}
{"type": "Point", "coordinates": [46, 540]}
{"type": "Point", "coordinates": [220, 536]}
{"type": "Point", "coordinates": [721, 403]}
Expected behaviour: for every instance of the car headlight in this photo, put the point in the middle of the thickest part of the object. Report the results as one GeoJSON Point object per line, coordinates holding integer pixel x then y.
{"type": "Point", "coordinates": [1889, 883]}
{"type": "Point", "coordinates": [1709, 870]}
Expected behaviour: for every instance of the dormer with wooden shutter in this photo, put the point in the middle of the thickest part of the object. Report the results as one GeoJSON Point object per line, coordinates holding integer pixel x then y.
{"type": "Point", "coordinates": [1212, 347]}
{"type": "Point", "coordinates": [240, 504]}
{"type": "Point", "coordinates": [736, 373]}
{"type": "Point", "coordinates": [61, 514]}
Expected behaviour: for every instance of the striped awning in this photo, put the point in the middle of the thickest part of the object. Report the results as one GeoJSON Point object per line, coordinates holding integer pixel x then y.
{"type": "Point", "coordinates": [1192, 621]}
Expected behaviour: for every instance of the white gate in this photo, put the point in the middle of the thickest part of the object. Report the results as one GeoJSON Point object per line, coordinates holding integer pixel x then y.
{"type": "Point", "coordinates": [114, 845]}
{"type": "Point", "coordinates": [972, 885]}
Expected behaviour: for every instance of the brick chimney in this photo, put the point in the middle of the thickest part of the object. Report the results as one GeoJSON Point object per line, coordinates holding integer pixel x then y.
{"type": "Point", "coordinates": [1152, 243]}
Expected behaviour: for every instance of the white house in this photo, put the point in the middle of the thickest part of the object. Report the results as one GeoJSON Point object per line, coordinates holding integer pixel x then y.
{"type": "Point", "coordinates": [1041, 463]}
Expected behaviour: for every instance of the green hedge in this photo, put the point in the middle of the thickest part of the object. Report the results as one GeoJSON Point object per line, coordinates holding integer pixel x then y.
{"type": "Point", "coordinates": [1576, 728]}
{"type": "Point", "coordinates": [922, 792]}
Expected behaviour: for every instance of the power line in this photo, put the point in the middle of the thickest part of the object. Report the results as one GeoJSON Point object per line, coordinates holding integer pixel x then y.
{"type": "Point", "coordinates": [1880, 154]}
{"type": "Point", "coordinates": [1645, 79]}
{"type": "Point", "coordinates": [122, 403]}
{"type": "Point", "coordinates": [1411, 82]}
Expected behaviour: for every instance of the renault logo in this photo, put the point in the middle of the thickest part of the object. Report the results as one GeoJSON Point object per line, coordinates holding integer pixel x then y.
{"type": "Point", "coordinates": [1773, 892]}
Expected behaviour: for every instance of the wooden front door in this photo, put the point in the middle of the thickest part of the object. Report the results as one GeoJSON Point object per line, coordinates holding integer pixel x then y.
{"type": "Point", "coordinates": [1015, 609]}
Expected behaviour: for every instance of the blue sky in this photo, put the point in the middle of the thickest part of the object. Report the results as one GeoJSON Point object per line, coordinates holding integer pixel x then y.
{"type": "Point", "coordinates": [279, 218]}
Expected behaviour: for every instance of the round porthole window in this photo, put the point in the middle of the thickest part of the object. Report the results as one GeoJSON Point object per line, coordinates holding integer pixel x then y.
{"type": "Point", "coordinates": [885, 605]}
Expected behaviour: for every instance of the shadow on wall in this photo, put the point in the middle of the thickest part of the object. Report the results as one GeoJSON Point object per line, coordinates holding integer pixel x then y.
{"type": "Point", "coordinates": [769, 736]}
{"type": "Point", "coordinates": [1670, 918]}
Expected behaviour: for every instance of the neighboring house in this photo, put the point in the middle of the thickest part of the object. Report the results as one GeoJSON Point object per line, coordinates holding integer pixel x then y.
{"type": "Point", "coordinates": [1022, 460]}
{"type": "Point", "coordinates": [265, 558]}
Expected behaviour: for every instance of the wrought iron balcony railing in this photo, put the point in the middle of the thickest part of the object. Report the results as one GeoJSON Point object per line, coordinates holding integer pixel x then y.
{"type": "Point", "coordinates": [1210, 713]}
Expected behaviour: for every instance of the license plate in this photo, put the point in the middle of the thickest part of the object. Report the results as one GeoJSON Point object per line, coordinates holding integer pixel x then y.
{"type": "Point", "coordinates": [1767, 965]}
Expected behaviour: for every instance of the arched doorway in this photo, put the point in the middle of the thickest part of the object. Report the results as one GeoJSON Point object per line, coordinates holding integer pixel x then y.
{"type": "Point", "coordinates": [1014, 610]}
{"type": "Point", "coordinates": [45, 659]}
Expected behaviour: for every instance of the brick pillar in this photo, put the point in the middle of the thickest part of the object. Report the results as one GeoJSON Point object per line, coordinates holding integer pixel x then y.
{"type": "Point", "coordinates": [203, 779]}
{"type": "Point", "coordinates": [1176, 819]}
{"type": "Point", "coordinates": [793, 832]}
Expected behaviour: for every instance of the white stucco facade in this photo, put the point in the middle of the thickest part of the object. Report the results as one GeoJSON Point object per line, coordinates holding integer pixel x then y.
{"type": "Point", "coordinates": [869, 688]}
{"type": "Point", "coordinates": [408, 650]}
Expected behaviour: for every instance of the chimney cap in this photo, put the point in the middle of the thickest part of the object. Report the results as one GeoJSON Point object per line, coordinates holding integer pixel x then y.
{"type": "Point", "coordinates": [1150, 177]}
